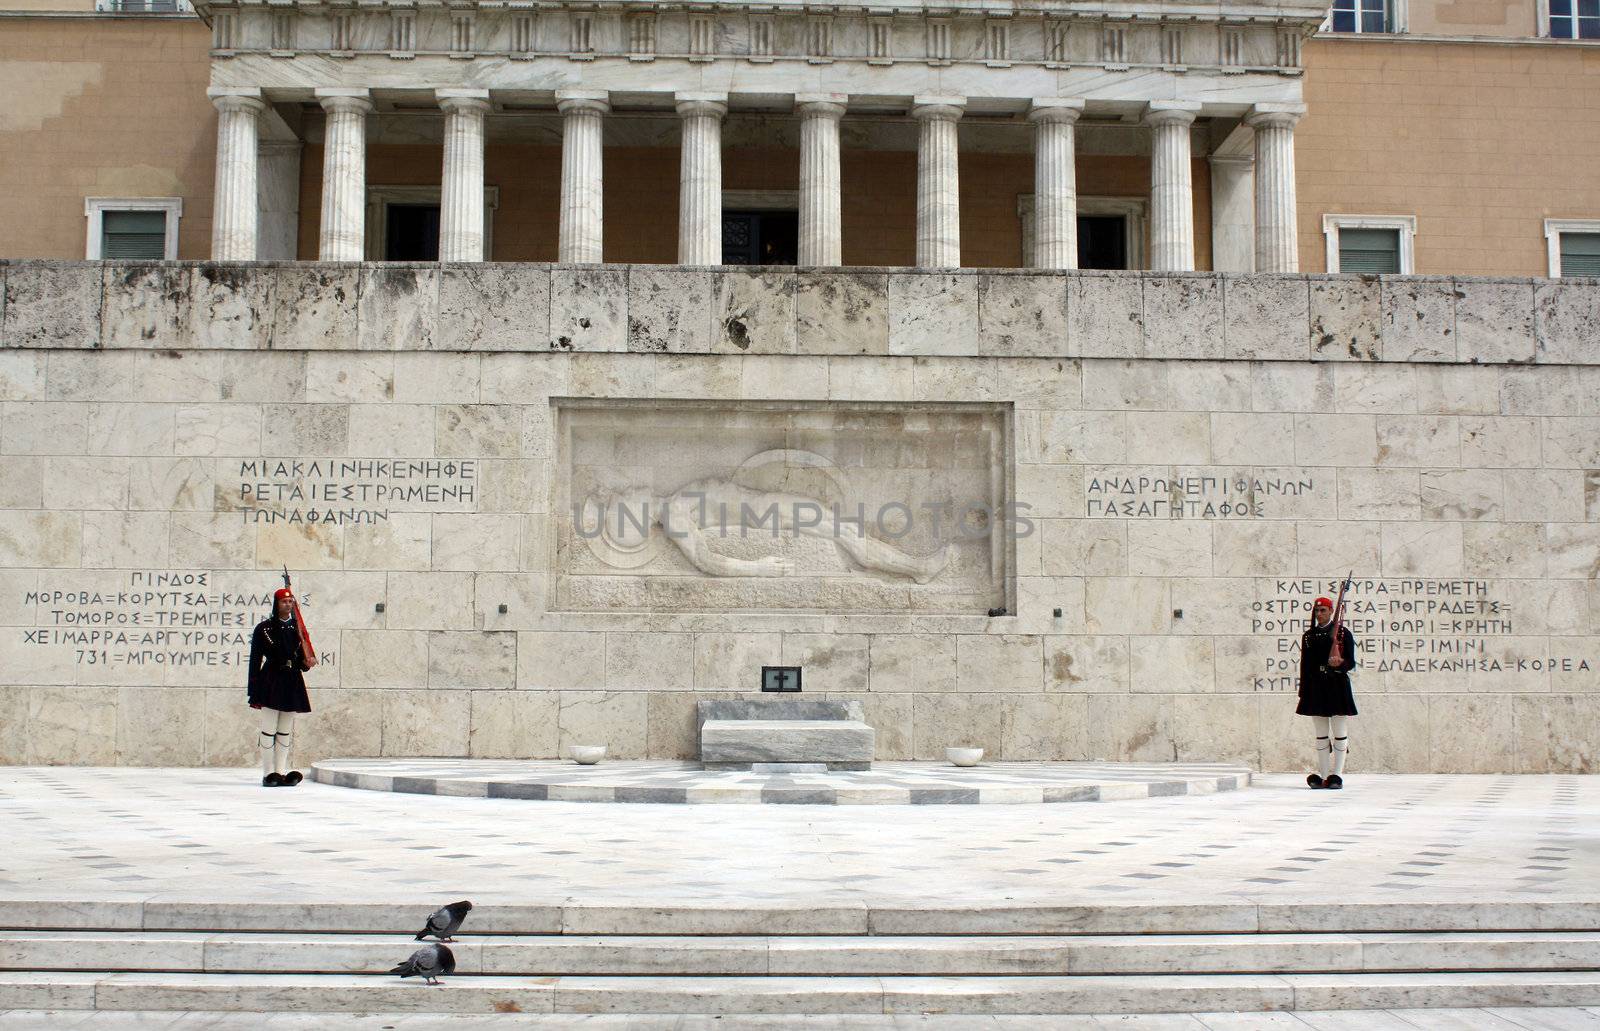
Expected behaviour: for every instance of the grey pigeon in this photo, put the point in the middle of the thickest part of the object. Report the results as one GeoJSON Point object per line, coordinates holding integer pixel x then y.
{"type": "Point", "coordinates": [428, 963]}
{"type": "Point", "coordinates": [442, 923]}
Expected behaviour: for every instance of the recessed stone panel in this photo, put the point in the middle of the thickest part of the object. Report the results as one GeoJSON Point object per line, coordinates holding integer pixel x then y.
{"type": "Point", "coordinates": [760, 506]}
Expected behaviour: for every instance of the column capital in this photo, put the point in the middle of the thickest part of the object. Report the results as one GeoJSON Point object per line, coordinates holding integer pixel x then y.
{"type": "Point", "coordinates": [821, 105]}
{"type": "Point", "coordinates": [358, 101]}
{"type": "Point", "coordinates": [591, 100]}
{"type": "Point", "coordinates": [713, 104]}
{"type": "Point", "coordinates": [1172, 112]}
{"type": "Point", "coordinates": [1055, 109]}
{"type": "Point", "coordinates": [1274, 116]}
{"type": "Point", "coordinates": [236, 98]}
{"type": "Point", "coordinates": [462, 101]}
{"type": "Point", "coordinates": [938, 109]}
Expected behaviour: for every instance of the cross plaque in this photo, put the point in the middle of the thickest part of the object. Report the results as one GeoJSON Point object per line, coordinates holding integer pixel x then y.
{"type": "Point", "coordinates": [780, 678]}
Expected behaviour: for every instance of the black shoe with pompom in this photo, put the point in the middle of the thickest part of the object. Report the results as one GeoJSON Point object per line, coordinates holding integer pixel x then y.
{"type": "Point", "coordinates": [272, 780]}
{"type": "Point", "coordinates": [1335, 782]}
{"type": "Point", "coordinates": [292, 778]}
{"type": "Point", "coordinates": [1314, 780]}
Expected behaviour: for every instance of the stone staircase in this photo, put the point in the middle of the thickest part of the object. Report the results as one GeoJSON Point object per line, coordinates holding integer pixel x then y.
{"type": "Point", "coordinates": [836, 960]}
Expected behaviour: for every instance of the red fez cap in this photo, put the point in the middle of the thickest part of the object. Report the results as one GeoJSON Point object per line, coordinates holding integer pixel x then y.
{"type": "Point", "coordinates": [1322, 601]}
{"type": "Point", "coordinates": [281, 593]}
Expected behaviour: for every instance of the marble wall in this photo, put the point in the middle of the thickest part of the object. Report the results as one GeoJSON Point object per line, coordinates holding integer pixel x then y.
{"type": "Point", "coordinates": [1199, 455]}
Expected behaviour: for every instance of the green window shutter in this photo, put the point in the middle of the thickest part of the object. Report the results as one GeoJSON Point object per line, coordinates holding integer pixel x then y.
{"type": "Point", "coordinates": [1369, 250]}
{"type": "Point", "coordinates": [1580, 254]}
{"type": "Point", "coordinates": [133, 234]}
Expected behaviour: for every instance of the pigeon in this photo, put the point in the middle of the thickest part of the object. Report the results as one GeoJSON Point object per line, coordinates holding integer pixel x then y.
{"type": "Point", "coordinates": [428, 963]}
{"type": "Point", "coordinates": [444, 922]}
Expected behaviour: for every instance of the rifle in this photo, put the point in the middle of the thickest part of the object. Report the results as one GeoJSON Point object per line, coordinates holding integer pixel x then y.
{"type": "Point", "coordinates": [299, 622]}
{"type": "Point", "coordinates": [1336, 652]}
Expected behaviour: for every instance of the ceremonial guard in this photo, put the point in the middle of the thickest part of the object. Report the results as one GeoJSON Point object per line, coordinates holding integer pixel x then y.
{"type": "Point", "coordinates": [280, 653]}
{"type": "Point", "coordinates": [1325, 693]}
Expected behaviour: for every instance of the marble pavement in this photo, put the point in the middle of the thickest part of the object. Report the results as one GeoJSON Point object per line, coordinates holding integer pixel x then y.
{"type": "Point", "coordinates": [130, 835]}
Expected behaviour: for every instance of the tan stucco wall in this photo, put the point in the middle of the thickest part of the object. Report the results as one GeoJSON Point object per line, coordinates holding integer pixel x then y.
{"type": "Point", "coordinates": [1473, 18]}
{"type": "Point", "coordinates": [101, 107]}
{"type": "Point", "coordinates": [1480, 142]}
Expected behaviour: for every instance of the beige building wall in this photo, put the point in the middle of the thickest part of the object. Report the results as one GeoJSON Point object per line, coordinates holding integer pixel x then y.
{"type": "Point", "coordinates": [102, 107]}
{"type": "Point", "coordinates": [1481, 142]}
{"type": "Point", "coordinates": [1489, 18]}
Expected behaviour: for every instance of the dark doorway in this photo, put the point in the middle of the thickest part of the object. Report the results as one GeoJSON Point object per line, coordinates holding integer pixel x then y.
{"type": "Point", "coordinates": [1102, 241]}
{"type": "Point", "coordinates": [411, 232]}
{"type": "Point", "coordinates": [760, 237]}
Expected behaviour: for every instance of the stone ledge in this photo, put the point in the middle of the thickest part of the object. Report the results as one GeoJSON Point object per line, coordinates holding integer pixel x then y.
{"type": "Point", "coordinates": [669, 309]}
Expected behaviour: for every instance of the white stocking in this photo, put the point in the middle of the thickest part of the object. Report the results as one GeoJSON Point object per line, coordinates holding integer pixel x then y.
{"type": "Point", "coordinates": [268, 738]}
{"type": "Point", "coordinates": [1324, 753]}
{"type": "Point", "coordinates": [1341, 742]}
{"type": "Point", "coordinates": [283, 739]}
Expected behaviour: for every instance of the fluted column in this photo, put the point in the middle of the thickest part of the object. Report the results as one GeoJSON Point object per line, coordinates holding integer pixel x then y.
{"type": "Point", "coordinates": [233, 215]}
{"type": "Point", "coordinates": [461, 194]}
{"type": "Point", "coordinates": [1171, 186]}
{"type": "Point", "coordinates": [1055, 183]}
{"type": "Point", "coordinates": [344, 175]}
{"type": "Point", "coordinates": [821, 238]}
{"type": "Point", "coordinates": [582, 210]}
{"type": "Point", "coordinates": [1276, 244]}
{"type": "Point", "coordinates": [938, 182]}
{"type": "Point", "coordinates": [700, 178]}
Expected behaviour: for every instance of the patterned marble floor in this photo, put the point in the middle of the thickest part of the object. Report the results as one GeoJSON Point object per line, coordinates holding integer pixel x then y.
{"type": "Point", "coordinates": [217, 835]}
{"type": "Point", "coordinates": [888, 783]}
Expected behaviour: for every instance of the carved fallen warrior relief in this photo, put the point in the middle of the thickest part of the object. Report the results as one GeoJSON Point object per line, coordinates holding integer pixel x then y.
{"type": "Point", "coordinates": [715, 506]}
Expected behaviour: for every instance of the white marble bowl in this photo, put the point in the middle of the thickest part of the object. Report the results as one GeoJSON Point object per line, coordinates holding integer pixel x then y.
{"type": "Point", "coordinates": [963, 756]}
{"type": "Point", "coordinates": [586, 755]}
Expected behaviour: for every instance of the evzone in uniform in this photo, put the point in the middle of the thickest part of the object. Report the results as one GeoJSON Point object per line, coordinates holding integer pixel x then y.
{"type": "Point", "coordinates": [1325, 693]}
{"type": "Point", "coordinates": [279, 658]}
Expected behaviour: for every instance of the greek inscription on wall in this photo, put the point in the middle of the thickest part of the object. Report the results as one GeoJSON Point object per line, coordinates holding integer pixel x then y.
{"type": "Point", "coordinates": [1401, 626]}
{"type": "Point", "coordinates": [353, 490]}
{"type": "Point", "coordinates": [151, 620]}
{"type": "Point", "coordinates": [1188, 494]}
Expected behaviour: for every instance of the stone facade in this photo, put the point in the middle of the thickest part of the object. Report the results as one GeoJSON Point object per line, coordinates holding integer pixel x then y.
{"type": "Point", "coordinates": [171, 434]}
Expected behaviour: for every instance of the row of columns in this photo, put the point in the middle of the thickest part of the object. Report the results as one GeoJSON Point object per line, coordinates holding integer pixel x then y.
{"type": "Point", "coordinates": [461, 212]}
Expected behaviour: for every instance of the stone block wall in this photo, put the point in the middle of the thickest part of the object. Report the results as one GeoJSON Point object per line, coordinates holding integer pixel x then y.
{"type": "Point", "coordinates": [1199, 455]}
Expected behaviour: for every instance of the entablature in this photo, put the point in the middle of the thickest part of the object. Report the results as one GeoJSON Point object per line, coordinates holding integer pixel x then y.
{"type": "Point", "coordinates": [1234, 39]}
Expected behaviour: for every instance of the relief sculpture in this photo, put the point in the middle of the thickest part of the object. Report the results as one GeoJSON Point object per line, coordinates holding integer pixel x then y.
{"type": "Point", "coordinates": [625, 525]}
{"type": "Point", "coordinates": [780, 506]}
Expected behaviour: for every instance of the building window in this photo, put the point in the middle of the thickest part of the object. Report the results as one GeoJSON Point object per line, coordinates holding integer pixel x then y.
{"type": "Point", "coordinates": [1574, 246]}
{"type": "Point", "coordinates": [403, 222]}
{"type": "Point", "coordinates": [1575, 19]}
{"type": "Point", "coordinates": [132, 228]}
{"type": "Point", "coordinates": [1364, 16]}
{"type": "Point", "coordinates": [1111, 232]}
{"type": "Point", "coordinates": [411, 232]}
{"type": "Point", "coordinates": [1371, 244]}
{"type": "Point", "coordinates": [760, 227]}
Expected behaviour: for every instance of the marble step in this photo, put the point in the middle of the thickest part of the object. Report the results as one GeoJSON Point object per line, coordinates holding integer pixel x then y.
{"type": "Point", "coordinates": [230, 952]}
{"type": "Point", "coordinates": [822, 917]}
{"type": "Point", "coordinates": [272, 993]}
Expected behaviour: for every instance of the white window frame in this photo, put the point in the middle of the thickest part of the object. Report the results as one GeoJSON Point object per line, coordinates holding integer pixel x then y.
{"type": "Point", "coordinates": [96, 207]}
{"type": "Point", "coordinates": [1406, 224]}
{"type": "Point", "coordinates": [1544, 32]}
{"type": "Point", "coordinates": [1399, 21]}
{"type": "Point", "coordinates": [1554, 227]}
